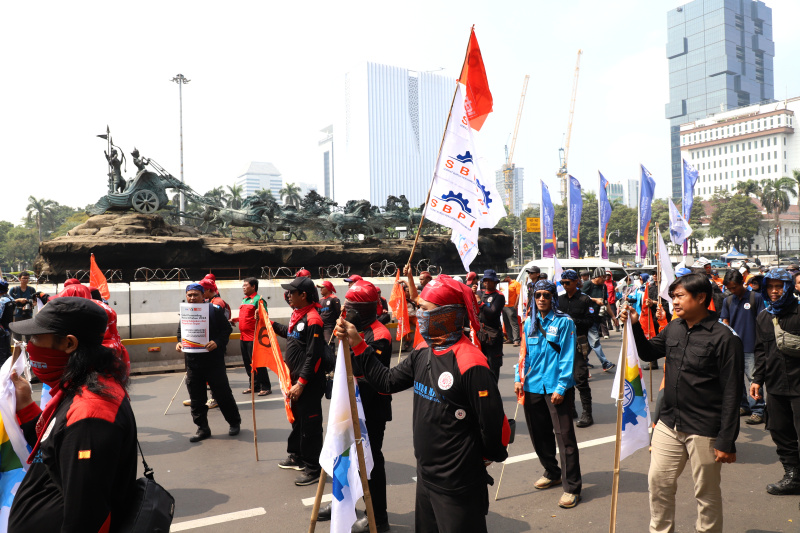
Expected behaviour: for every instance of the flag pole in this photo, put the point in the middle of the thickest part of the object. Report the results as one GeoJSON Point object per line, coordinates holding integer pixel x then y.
{"type": "Point", "coordinates": [516, 411]}
{"type": "Point", "coordinates": [599, 221]}
{"type": "Point", "coordinates": [362, 466]}
{"type": "Point", "coordinates": [253, 403]}
{"type": "Point", "coordinates": [441, 143]}
{"type": "Point", "coordinates": [176, 393]}
{"type": "Point", "coordinates": [612, 527]}
{"type": "Point", "coordinates": [317, 501]}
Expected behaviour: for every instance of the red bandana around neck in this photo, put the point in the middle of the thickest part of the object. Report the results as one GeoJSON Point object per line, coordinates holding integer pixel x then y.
{"type": "Point", "coordinates": [298, 314]}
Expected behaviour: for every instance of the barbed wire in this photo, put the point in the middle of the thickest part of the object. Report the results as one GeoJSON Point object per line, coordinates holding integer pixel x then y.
{"type": "Point", "coordinates": [383, 269]}
{"type": "Point", "coordinates": [268, 272]}
{"type": "Point", "coordinates": [85, 275]}
{"type": "Point", "coordinates": [425, 265]}
{"type": "Point", "coordinates": [159, 274]}
{"type": "Point", "coordinates": [334, 271]}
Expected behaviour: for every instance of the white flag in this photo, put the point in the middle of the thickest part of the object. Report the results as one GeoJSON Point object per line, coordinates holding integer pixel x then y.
{"type": "Point", "coordinates": [635, 412]}
{"type": "Point", "coordinates": [679, 229]}
{"type": "Point", "coordinates": [557, 270]}
{"type": "Point", "coordinates": [339, 457]}
{"type": "Point", "coordinates": [461, 199]}
{"type": "Point", "coordinates": [15, 450]}
{"type": "Point", "coordinates": [667, 273]}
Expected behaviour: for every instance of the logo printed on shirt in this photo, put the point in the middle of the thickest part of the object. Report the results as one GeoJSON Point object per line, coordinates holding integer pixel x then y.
{"type": "Point", "coordinates": [747, 305]}
{"type": "Point", "coordinates": [552, 330]}
{"type": "Point", "coordinates": [445, 380]}
{"type": "Point", "coordinates": [301, 326]}
{"type": "Point", "coordinates": [489, 299]}
{"type": "Point", "coordinates": [483, 393]}
{"type": "Point", "coordinates": [84, 454]}
{"type": "Point", "coordinates": [591, 309]}
{"type": "Point", "coordinates": [461, 414]}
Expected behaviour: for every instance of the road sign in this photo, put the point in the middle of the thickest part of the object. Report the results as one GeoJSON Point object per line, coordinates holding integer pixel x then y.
{"type": "Point", "coordinates": [534, 225]}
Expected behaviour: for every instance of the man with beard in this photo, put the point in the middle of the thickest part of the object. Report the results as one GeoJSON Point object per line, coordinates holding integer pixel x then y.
{"type": "Point", "coordinates": [458, 419]}
{"type": "Point", "coordinates": [361, 303]}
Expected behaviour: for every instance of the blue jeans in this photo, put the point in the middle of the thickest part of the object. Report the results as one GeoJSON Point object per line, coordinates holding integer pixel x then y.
{"type": "Point", "coordinates": [594, 343]}
{"type": "Point", "coordinates": [755, 406]}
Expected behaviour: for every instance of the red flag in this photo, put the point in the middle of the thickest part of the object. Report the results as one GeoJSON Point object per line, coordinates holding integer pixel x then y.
{"type": "Point", "coordinates": [397, 301]}
{"type": "Point", "coordinates": [97, 279]}
{"type": "Point", "coordinates": [646, 321]}
{"type": "Point", "coordinates": [267, 353]}
{"type": "Point", "coordinates": [473, 75]}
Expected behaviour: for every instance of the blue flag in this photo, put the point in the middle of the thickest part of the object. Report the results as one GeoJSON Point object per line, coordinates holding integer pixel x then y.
{"type": "Point", "coordinates": [679, 229]}
{"type": "Point", "coordinates": [575, 203]}
{"type": "Point", "coordinates": [647, 188]}
{"type": "Point", "coordinates": [690, 175]}
{"type": "Point", "coordinates": [548, 229]}
{"type": "Point", "coordinates": [605, 215]}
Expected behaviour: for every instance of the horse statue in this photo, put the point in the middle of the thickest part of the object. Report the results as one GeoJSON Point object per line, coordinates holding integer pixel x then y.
{"type": "Point", "coordinates": [353, 220]}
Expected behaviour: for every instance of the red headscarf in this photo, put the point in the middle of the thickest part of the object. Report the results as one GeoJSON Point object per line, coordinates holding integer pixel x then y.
{"type": "Point", "coordinates": [303, 273]}
{"type": "Point", "coordinates": [328, 285]}
{"type": "Point", "coordinates": [444, 290]}
{"type": "Point", "coordinates": [362, 291]}
{"type": "Point", "coordinates": [71, 281]}
{"type": "Point", "coordinates": [75, 289]}
{"type": "Point", "coordinates": [209, 283]}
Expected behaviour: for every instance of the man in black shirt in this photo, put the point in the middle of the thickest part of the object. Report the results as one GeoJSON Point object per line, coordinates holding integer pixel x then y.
{"type": "Point", "coordinates": [330, 309]}
{"type": "Point", "coordinates": [699, 418]}
{"type": "Point", "coordinates": [596, 289]}
{"type": "Point", "coordinates": [577, 305]}
{"type": "Point", "coordinates": [490, 308]}
{"type": "Point", "coordinates": [25, 298]}
{"type": "Point", "coordinates": [305, 344]}
{"type": "Point", "coordinates": [209, 368]}
{"type": "Point", "coordinates": [458, 419]}
{"type": "Point", "coordinates": [781, 375]}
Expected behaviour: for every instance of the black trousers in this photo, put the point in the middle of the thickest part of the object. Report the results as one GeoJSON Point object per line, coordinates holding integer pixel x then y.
{"type": "Point", "coordinates": [5, 347]}
{"type": "Point", "coordinates": [262, 374]}
{"type": "Point", "coordinates": [783, 423]}
{"type": "Point", "coordinates": [211, 371]}
{"type": "Point", "coordinates": [495, 364]}
{"type": "Point", "coordinates": [436, 512]}
{"type": "Point", "coordinates": [376, 428]}
{"type": "Point", "coordinates": [580, 371]}
{"type": "Point", "coordinates": [548, 423]}
{"type": "Point", "coordinates": [305, 440]}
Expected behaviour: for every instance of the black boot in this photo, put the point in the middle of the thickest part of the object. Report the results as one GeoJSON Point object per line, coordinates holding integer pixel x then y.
{"type": "Point", "coordinates": [790, 484]}
{"type": "Point", "coordinates": [586, 419]}
{"type": "Point", "coordinates": [324, 513]}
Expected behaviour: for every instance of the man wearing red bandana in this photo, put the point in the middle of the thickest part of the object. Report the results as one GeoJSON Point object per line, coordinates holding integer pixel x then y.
{"type": "Point", "coordinates": [459, 424]}
{"type": "Point", "coordinates": [305, 345]}
{"type": "Point", "coordinates": [82, 472]}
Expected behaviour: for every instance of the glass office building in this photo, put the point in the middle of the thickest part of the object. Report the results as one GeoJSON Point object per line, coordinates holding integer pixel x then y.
{"type": "Point", "coordinates": [720, 56]}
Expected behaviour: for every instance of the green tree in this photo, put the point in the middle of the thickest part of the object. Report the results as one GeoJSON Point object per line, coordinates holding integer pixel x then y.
{"type": "Point", "coordinates": [40, 211]}
{"type": "Point", "coordinates": [76, 219]}
{"type": "Point", "coordinates": [796, 178]}
{"type": "Point", "coordinates": [735, 220]}
{"type": "Point", "coordinates": [290, 194]}
{"type": "Point", "coordinates": [775, 197]}
{"type": "Point", "coordinates": [264, 194]}
{"type": "Point", "coordinates": [20, 247]}
{"type": "Point", "coordinates": [234, 196]}
{"type": "Point", "coordinates": [215, 196]}
{"type": "Point", "coordinates": [622, 225]}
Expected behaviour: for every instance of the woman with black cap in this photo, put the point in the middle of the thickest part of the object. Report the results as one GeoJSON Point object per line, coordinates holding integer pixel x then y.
{"type": "Point", "coordinates": [490, 309]}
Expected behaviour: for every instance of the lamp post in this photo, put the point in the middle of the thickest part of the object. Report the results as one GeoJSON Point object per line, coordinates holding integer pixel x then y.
{"type": "Point", "coordinates": [181, 80]}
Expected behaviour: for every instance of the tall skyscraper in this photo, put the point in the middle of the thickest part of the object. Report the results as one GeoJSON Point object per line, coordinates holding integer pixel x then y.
{"type": "Point", "coordinates": [616, 192]}
{"type": "Point", "coordinates": [720, 56]}
{"type": "Point", "coordinates": [633, 194]}
{"type": "Point", "coordinates": [326, 148]}
{"type": "Point", "coordinates": [517, 191]}
{"type": "Point", "coordinates": [388, 132]}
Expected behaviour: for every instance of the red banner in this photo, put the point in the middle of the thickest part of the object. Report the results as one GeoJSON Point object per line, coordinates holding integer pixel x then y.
{"type": "Point", "coordinates": [267, 353]}
{"type": "Point", "coordinates": [97, 279]}
{"type": "Point", "coordinates": [473, 75]}
{"type": "Point", "coordinates": [397, 301]}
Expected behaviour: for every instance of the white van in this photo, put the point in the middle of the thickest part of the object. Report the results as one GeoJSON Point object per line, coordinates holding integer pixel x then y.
{"type": "Point", "coordinates": [546, 266]}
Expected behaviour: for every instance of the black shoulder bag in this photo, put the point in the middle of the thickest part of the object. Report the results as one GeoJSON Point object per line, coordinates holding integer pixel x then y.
{"type": "Point", "coordinates": [151, 508]}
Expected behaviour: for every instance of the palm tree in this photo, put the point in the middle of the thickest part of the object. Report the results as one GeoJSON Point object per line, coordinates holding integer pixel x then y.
{"type": "Point", "coordinates": [216, 196]}
{"type": "Point", "coordinates": [290, 194]}
{"type": "Point", "coordinates": [42, 210]}
{"type": "Point", "coordinates": [749, 188]}
{"type": "Point", "coordinates": [796, 178]}
{"type": "Point", "coordinates": [264, 194]}
{"type": "Point", "coordinates": [775, 199]}
{"type": "Point", "coordinates": [234, 196]}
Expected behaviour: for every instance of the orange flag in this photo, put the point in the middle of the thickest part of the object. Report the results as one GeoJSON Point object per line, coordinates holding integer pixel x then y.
{"type": "Point", "coordinates": [267, 353]}
{"type": "Point", "coordinates": [397, 301]}
{"type": "Point", "coordinates": [473, 75]}
{"type": "Point", "coordinates": [646, 320]}
{"type": "Point", "coordinates": [97, 279]}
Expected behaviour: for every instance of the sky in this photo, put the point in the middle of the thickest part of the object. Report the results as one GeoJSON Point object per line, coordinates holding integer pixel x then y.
{"type": "Point", "coordinates": [265, 75]}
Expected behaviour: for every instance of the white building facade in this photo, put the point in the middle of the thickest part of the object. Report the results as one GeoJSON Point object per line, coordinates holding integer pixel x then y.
{"type": "Point", "coordinates": [754, 142]}
{"type": "Point", "coordinates": [388, 133]}
{"type": "Point", "coordinates": [517, 192]}
{"type": "Point", "coordinates": [261, 175]}
{"type": "Point", "coordinates": [633, 194]}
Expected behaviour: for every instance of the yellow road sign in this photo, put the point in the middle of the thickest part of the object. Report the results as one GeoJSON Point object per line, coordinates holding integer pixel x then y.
{"type": "Point", "coordinates": [534, 225]}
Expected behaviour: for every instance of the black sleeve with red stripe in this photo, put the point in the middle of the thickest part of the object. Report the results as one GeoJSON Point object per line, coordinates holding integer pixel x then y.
{"type": "Point", "coordinates": [315, 346]}
{"type": "Point", "coordinates": [383, 379]}
{"type": "Point", "coordinates": [484, 397]}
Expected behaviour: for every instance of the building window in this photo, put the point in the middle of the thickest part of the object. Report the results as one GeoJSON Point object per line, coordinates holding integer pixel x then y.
{"type": "Point", "coordinates": [715, 164]}
{"type": "Point", "coordinates": [749, 145]}
{"type": "Point", "coordinates": [776, 168]}
{"type": "Point", "coordinates": [770, 122]}
{"type": "Point", "coordinates": [726, 175]}
{"type": "Point", "coordinates": [737, 147]}
{"type": "Point", "coordinates": [762, 143]}
{"type": "Point", "coordinates": [756, 171]}
{"type": "Point", "coordinates": [715, 151]}
{"type": "Point", "coordinates": [769, 155]}
{"type": "Point", "coordinates": [737, 173]}
{"type": "Point", "coordinates": [692, 155]}
{"type": "Point", "coordinates": [749, 158]}
{"type": "Point", "coordinates": [762, 170]}
{"type": "Point", "coordinates": [776, 154]}
{"type": "Point", "coordinates": [750, 173]}
{"type": "Point", "coordinates": [768, 139]}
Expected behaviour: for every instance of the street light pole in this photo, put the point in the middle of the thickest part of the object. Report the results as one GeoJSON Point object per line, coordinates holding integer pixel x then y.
{"type": "Point", "coordinates": [181, 80]}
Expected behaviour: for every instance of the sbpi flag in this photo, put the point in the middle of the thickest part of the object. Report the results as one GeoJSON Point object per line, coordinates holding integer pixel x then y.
{"type": "Point", "coordinates": [339, 456]}
{"type": "Point", "coordinates": [679, 229]}
{"type": "Point", "coordinates": [635, 412]}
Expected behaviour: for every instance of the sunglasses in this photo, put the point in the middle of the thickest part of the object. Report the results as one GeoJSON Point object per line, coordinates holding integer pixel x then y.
{"type": "Point", "coordinates": [566, 281]}
{"type": "Point", "coordinates": [545, 295]}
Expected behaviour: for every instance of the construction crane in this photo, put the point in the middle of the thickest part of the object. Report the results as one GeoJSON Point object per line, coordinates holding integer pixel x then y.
{"type": "Point", "coordinates": [508, 167]}
{"type": "Point", "coordinates": [563, 152]}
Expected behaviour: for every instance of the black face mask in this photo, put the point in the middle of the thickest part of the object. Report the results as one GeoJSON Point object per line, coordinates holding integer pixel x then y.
{"type": "Point", "coordinates": [361, 314]}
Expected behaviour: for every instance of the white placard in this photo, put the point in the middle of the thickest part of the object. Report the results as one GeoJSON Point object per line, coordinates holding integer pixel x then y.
{"type": "Point", "coordinates": [195, 327]}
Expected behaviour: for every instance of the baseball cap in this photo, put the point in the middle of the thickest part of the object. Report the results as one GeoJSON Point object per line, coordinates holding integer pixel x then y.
{"type": "Point", "coordinates": [303, 284]}
{"type": "Point", "coordinates": [70, 315]}
{"type": "Point", "coordinates": [328, 285]}
{"type": "Point", "coordinates": [303, 272]}
{"type": "Point", "coordinates": [533, 269]}
{"type": "Point", "coordinates": [353, 278]}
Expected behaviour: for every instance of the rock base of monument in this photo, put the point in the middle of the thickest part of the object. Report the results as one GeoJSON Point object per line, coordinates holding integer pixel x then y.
{"type": "Point", "coordinates": [128, 242]}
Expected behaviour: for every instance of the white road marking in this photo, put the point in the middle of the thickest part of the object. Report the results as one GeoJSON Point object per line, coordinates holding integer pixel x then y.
{"type": "Point", "coordinates": [219, 519]}
{"type": "Point", "coordinates": [308, 502]}
{"type": "Point", "coordinates": [581, 445]}
{"type": "Point", "coordinates": [275, 399]}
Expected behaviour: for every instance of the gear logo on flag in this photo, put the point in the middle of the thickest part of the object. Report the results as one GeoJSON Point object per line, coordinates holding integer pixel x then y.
{"type": "Point", "coordinates": [459, 199]}
{"type": "Point", "coordinates": [486, 196]}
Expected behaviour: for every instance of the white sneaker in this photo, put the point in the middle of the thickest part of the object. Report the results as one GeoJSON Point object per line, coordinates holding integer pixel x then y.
{"type": "Point", "coordinates": [187, 403]}
{"type": "Point", "coordinates": [212, 403]}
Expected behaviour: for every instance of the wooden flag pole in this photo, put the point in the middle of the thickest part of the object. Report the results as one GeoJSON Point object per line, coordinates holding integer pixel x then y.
{"type": "Point", "coordinates": [612, 526]}
{"type": "Point", "coordinates": [441, 143]}
{"type": "Point", "coordinates": [401, 349]}
{"type": "Point", "coordinates": [176, 393]}
{"type": "Point", "coordinates": [317, 501]}
{"type": "Point", "coordinates": [516, 411]}
{"type": "Point", "coordinates": [362, 466]}
{"type": "Point", "coordinates": [253, 404]}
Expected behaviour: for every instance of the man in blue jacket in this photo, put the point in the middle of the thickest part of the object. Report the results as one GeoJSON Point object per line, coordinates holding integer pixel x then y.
{"type": "Point", "coordinates": [545, 378]}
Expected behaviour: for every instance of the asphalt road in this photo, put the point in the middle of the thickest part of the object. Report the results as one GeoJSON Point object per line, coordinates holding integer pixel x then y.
{"type": "Point", "coordinates": [219, 486]}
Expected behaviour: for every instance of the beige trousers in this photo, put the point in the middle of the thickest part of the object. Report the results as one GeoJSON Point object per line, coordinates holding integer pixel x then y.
{"type": "Point", "coordinates": [670, 451]}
